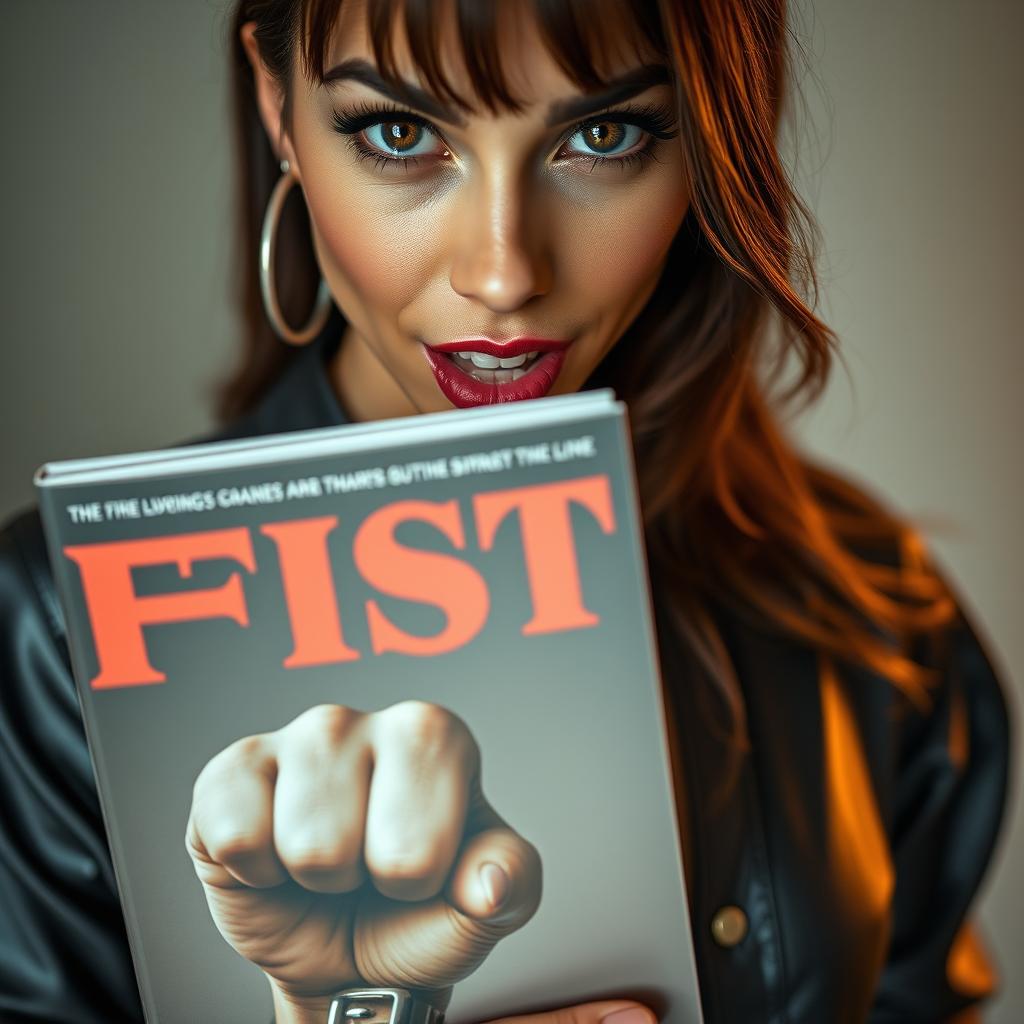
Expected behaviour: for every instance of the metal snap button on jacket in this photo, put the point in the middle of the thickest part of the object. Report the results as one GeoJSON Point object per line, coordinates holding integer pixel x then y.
{"type": "Point", "coordinates": [729, 926]}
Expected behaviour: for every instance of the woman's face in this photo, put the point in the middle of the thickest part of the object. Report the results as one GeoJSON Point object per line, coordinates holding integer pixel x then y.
{"type": "Point", "coordinates": [535, 235]}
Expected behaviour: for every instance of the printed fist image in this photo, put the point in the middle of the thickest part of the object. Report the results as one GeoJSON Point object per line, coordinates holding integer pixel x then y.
{"type": "Point", "coordinates": [351, 848]}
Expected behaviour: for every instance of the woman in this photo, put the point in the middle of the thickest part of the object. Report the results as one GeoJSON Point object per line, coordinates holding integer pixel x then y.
{"type": "Point", "coordinates": [604, 177]}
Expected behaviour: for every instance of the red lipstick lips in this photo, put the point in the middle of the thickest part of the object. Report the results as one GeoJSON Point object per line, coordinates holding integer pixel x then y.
{"type": "Point", "coordinates": [463, 389]}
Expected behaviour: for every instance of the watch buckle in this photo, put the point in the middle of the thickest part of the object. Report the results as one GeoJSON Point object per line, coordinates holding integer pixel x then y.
{"type": "Point", "coordinates": [370, 1005]}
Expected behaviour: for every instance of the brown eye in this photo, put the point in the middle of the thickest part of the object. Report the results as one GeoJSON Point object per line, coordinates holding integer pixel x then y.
{"type": "Point", "coordinates": [391, 137]}
{"type": "Point", "coordinates": [402, 138]}
{"type": "Point", "coordinates": [603, 136]}
{"type": "Point", "coordinates": [400, 135]}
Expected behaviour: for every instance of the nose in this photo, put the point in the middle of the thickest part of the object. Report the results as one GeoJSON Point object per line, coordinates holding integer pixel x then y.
{"type": "Point", "coordinates": [501, 259]}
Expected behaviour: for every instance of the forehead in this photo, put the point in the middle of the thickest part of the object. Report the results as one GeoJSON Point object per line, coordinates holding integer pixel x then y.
{"type": "Point", "coordinates": [493, 53]}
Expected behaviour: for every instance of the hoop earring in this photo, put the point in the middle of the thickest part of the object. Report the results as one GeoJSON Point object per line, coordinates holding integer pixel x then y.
{"type": "Point", "coordinates": [268, 247]}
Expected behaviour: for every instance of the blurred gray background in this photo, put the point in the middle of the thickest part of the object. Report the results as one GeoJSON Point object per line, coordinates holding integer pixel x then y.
{"type": "Point", "coordinates": [116, 247]}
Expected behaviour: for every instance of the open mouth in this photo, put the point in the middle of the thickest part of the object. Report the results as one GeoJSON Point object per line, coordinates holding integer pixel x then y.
{"type": "Point", "coordinates": [469, 377]}
{"type": "Point", "coordinates": [493, 369]}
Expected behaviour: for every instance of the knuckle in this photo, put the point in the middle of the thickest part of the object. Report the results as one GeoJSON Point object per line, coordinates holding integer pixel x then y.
{"type": "Point", "coordinates": [332, 722]}
{"type": "Point", "coordinates": [229, 841]}
{"type": "Point", "coordinates": [422, 725]}
{"type": "Point", "coordinates": [247, 753]}
{"type": "Point", "coordinates": [244, 756]}
{"type": "Point", "coordinates": [416, 717]}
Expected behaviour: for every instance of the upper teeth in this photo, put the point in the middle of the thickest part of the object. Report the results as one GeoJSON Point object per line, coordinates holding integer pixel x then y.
{"type": "Point", "coordinates": [488, 362]}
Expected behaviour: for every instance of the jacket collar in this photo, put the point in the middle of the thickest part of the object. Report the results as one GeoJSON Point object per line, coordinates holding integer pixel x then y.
{"type": "Point", "coordinates": [301, 398]}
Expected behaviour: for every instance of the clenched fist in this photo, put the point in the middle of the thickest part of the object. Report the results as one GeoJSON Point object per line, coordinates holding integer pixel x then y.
{"type": "Point", "coordinates": [350, 848]}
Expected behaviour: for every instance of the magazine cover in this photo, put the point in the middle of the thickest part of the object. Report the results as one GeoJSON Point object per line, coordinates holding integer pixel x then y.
{"type": "Point", "coordinates": [380, 704]}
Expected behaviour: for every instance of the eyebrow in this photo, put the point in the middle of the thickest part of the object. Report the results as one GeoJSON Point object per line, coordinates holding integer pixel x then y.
{"type": "Point", "coordinates": [619, 89]}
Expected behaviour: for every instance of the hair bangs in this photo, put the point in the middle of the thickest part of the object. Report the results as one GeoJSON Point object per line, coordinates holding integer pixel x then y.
{"type": "Point", "coordinates": [579, 35]}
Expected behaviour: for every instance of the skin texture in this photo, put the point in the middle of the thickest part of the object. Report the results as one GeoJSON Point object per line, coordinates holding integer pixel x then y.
{"type": "Point", "coordinates": [513, 233]}
{"type": "Point", "coordinates": [347, 847]}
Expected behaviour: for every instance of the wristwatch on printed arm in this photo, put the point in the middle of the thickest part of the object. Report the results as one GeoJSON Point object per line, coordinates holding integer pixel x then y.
{"type": "Point", "coordinates": [381, 1006]}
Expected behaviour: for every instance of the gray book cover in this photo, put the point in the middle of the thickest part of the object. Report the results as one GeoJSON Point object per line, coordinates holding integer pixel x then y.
{"type": "Point", "coordinates": [485, 564]}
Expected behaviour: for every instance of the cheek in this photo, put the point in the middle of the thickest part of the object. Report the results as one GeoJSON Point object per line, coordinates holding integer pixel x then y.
{"type": "Point", "coordinates": [376, 258]}
{"type": "Point", "coordinates": [616, 248]}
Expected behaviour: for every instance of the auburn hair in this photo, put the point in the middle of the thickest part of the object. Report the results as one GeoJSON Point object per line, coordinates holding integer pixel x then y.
{"type": "Point", "coordinates": [733, 515]}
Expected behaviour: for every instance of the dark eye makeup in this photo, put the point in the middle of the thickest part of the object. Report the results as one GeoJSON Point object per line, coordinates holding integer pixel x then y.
{"type": "Point", "coordinates": [646, 124]}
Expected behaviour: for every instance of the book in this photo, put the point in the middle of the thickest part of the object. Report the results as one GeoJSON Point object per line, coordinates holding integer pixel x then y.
{"type": "Point", "coordinates": [488, 562]}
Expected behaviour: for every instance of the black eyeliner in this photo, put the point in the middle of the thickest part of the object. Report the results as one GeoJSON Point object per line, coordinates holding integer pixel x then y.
{"type": "Point", "coordinates": [654, 120]}
{"type": "Point", "coordinates": [366, 115]}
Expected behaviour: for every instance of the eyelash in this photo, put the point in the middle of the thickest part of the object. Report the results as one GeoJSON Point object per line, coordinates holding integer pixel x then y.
{"type": "Point", "coordinates": [654, 121]}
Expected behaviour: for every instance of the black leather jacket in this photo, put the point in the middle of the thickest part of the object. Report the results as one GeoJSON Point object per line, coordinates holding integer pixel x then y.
{"type": "Point", "coordinates": [832, 884]}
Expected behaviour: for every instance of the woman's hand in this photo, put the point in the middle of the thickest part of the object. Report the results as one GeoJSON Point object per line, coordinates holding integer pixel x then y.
{"type": "Point", "coordinates": [349, 848]}
{"type": "Point", "coordinates": [609, 1011]}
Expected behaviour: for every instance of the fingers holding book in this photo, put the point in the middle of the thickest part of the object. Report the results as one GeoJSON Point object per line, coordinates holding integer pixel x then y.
{"type": "Point", "coordinates": [348, 847]}
{"type": "Point", "coordinates": [609, 1011]}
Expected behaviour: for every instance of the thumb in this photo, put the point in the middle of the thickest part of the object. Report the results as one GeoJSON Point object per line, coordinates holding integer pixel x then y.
{"type": "Point", "coordinates": [494, 889]}
{"type": "Point", "coordinates": [496, 882]}
{"type": "Point", "coordinates": [609, 1011]}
